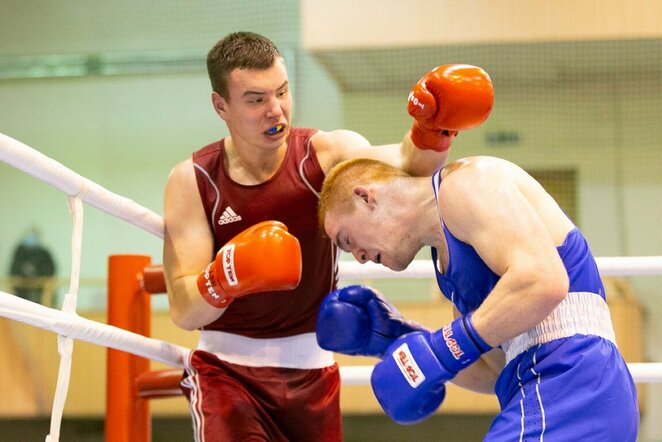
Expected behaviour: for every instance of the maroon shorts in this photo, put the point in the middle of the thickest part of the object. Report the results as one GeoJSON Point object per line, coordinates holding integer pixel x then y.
{"type": "Point", "coordinates": [230, 402]}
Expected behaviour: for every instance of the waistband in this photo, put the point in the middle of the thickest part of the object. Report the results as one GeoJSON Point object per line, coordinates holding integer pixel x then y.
{"type": "Point", "coordinates": [298, 351]}
{"type": "Point", "coordinates": [583, 313]}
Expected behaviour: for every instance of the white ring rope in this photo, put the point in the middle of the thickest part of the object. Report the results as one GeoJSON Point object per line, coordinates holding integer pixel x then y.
{"type": "Point", "coordinates": [608, 266]}
{"type": "Point", "coordinates": [34, 163]}
{"type": "Point", "coordinates": [68, 325]}
{"type": "Point", "coordinates": [73, 326]}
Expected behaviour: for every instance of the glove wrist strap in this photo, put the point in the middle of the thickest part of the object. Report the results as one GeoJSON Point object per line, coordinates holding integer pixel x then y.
{"type": "Point", "coordinates": [427, 139]}
{"type": "Point", "coordinates": [458, 344]}
{"type": "Point", "coordinates": [473, 334]}
{"type": "Point", "coordinates": [210, 290]}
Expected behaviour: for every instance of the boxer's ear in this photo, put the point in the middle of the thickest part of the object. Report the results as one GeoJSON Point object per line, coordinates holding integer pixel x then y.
{"type": "Point", "coordinates": [219, 104]}
{"type": "Point", "coordinates": [366, 195]}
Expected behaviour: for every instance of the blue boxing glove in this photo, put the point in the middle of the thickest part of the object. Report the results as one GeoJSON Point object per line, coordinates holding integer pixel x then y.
{"type": "Point", "coordinates": [410, 382]}
{"type": "Point", "coordinates": [357, 320]}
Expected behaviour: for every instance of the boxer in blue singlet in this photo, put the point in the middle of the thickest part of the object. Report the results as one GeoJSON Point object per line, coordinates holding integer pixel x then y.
{"type": "Point", "coordinates": [525, 286]}
{"type": "Point", "coordinates": [554, 385]}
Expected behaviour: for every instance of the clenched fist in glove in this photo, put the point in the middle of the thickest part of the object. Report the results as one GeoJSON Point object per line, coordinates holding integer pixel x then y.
{"type": "Point", "coordinates": [448, 99]}
{"type": "Point", "coordinates": [357, 320]}
{"type": "Point", "coordinates": [410, 382]}
{"type": "Point", "coordinates": [265, 257]}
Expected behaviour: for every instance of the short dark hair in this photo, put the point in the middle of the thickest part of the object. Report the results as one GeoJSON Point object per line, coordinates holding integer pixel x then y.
{"type": "Point", "coordinates": [239, 50]}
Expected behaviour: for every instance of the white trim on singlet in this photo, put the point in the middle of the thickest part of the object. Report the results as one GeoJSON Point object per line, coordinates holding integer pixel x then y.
{"type": "Point", "coordinates": [218, 192]}
{"type": "Point", "coordinates": [335, 258]}
{"type": "Point", "coordinates": [335, 252]}
{"type": "Point", "coordinates": [301, 174]}
{"type": "Point", "coordinates": [436, 182]}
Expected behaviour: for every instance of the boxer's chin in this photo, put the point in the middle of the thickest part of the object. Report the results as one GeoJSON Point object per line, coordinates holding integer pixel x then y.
{"type": "Point", "coordinates": [399, 265]}
{"type": "Point", "coordinates": [396, 267]}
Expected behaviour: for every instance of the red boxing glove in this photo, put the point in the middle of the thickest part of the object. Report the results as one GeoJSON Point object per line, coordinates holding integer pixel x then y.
{"type": "Point", "coordinates": [262, 258]}
{"type": "Point", "coordinates": [447, 99]}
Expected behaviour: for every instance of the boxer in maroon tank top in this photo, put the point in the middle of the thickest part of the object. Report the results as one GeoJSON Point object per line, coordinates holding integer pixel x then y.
{"type": "Point", "coordinates": [290, 196]}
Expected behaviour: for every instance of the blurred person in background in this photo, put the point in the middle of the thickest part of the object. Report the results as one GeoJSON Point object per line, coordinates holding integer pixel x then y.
{"type": "Point", "coordinates": [33, 269]}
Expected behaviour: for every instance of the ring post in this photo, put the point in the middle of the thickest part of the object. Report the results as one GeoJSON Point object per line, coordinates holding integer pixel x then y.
{"type": "Point", "coordinates": [129, 307]}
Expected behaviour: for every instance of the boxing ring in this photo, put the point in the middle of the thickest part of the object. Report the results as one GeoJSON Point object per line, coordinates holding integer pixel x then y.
{"type": "Point", "coordinates": [132, 278]}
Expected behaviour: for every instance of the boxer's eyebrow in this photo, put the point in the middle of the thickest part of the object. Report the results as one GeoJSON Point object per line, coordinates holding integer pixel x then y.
{"type": "Point", "coordinates": [259, 92]}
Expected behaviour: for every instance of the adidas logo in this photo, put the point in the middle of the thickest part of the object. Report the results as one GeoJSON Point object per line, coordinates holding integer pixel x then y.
{"type": "Point", "coordinates": [228, 216]}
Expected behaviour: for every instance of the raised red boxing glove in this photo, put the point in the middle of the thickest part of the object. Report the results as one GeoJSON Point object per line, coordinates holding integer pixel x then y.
{"type": "Point", "coordinates": [448, 99]}
{"type": "Point", "coordinates": [265, 257]}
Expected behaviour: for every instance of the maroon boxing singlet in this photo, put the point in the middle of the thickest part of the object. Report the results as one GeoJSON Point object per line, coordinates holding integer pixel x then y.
{"type": "Point", "coordinates": [290, 196]}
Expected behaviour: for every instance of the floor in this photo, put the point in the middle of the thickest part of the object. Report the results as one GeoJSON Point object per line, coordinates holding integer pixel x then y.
{"type": "Point", "coordinates": [356, 428]}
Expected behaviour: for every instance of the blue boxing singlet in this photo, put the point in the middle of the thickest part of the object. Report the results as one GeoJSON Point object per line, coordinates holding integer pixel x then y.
{"type": "Point", "coordinates": [555, 385]}
{"type": "Point", "coordinates": [468, 280]}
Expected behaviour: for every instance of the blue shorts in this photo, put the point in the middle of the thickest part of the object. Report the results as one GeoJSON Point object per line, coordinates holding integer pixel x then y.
{"type": "Point", "coordinates": [576, 388]}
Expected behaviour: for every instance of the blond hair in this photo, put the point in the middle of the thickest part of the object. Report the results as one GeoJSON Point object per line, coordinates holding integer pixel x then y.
{"type": "Point", "coordinates": [341, 180]}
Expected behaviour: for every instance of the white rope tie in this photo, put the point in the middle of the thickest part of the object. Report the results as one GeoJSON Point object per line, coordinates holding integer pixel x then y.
{"type": "Point", "coordinates": [65, 344]}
